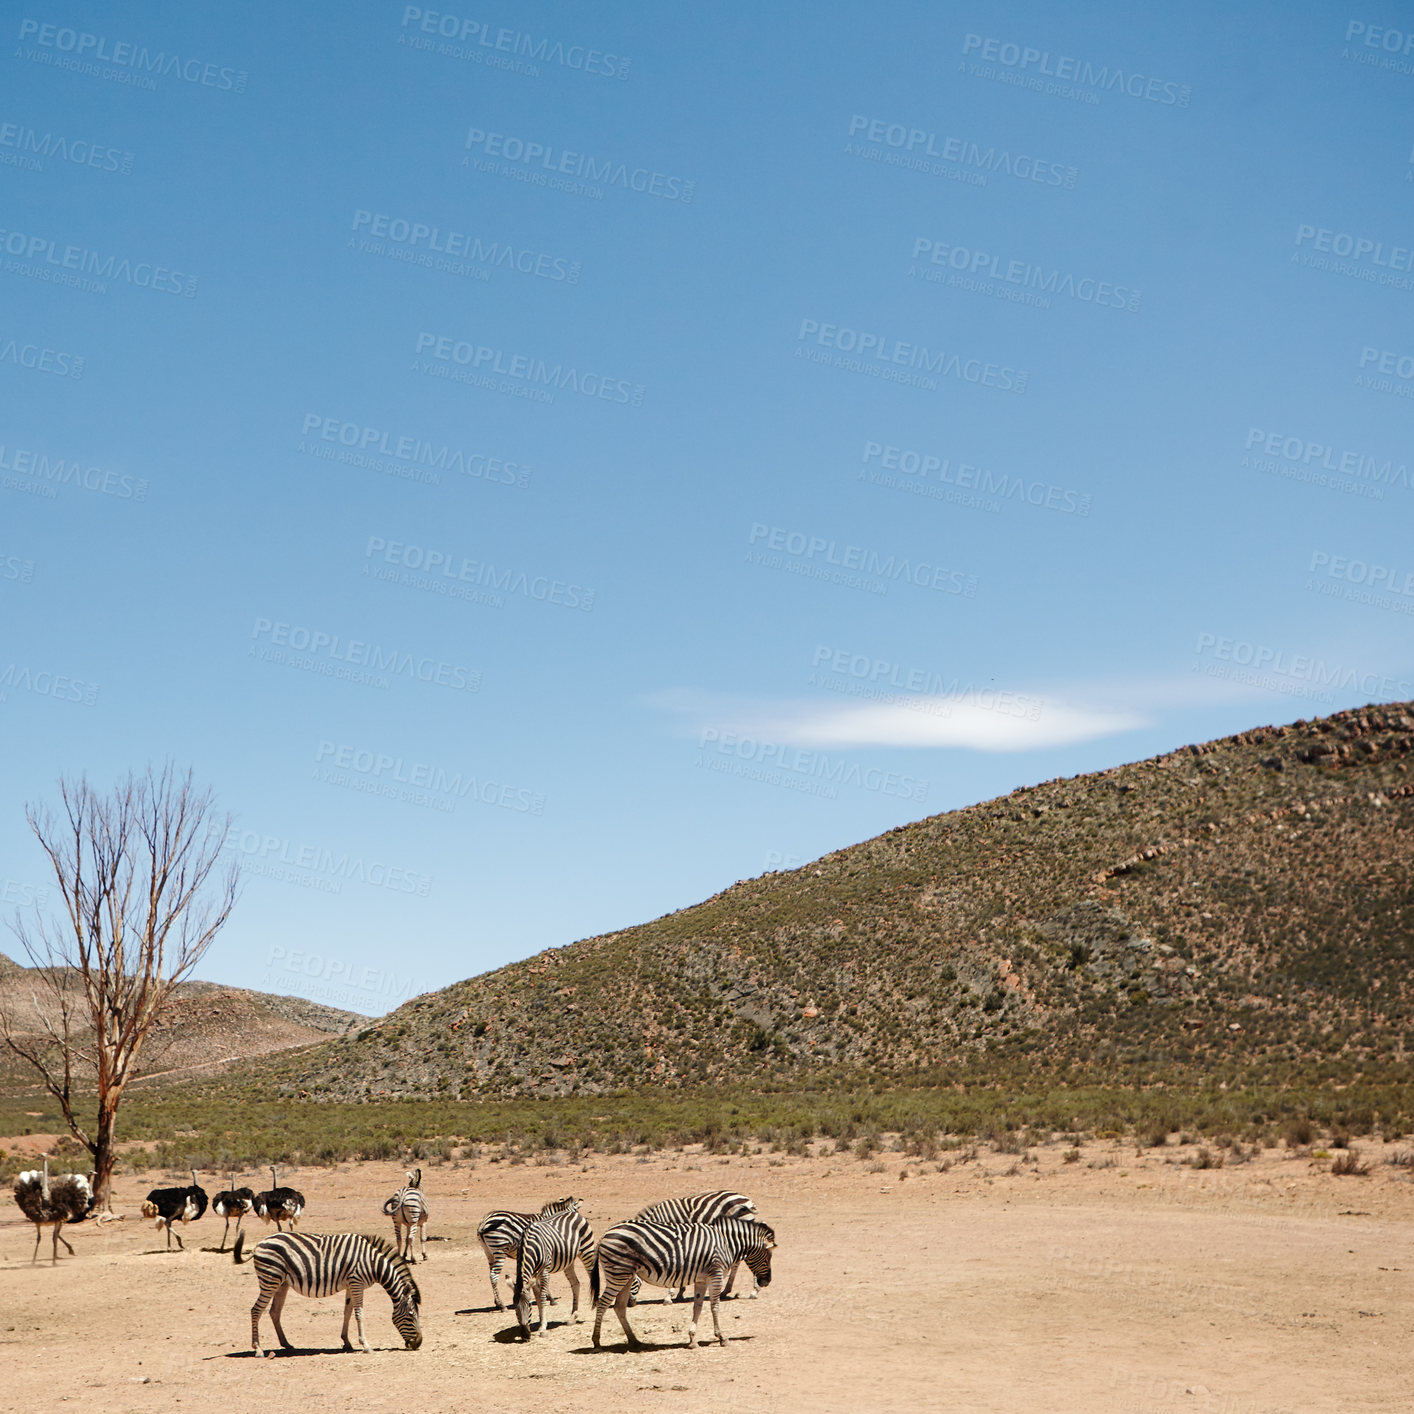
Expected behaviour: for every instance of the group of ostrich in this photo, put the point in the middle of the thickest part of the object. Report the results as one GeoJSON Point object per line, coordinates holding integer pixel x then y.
{"type": "Point", "coordinates": [698, 1241]}
{"type": "Point", "coordinates": [69, 1198]}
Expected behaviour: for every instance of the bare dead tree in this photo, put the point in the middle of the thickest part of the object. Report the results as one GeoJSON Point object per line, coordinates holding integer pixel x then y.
{"type": "Point", "coordinates": [144, 897]}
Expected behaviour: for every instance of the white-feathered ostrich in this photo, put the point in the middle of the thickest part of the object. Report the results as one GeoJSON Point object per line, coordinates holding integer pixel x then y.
{"type": "Point", "coordinates": [233, 1203]}
{"type": "Point", "coordinates": [53, 1202]}
{"type": "Point", "coordinates": [175, 1205]}
{"type": "Point", "coordinates": [279, 1204]}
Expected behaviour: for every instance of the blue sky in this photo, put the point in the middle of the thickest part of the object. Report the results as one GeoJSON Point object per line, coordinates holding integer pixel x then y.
{"type": "Point", "coordinates": [541, 466]}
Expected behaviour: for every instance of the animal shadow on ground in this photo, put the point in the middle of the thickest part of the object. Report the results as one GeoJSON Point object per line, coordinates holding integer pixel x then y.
{"type": "Point", "coordinates": [649, 1347]}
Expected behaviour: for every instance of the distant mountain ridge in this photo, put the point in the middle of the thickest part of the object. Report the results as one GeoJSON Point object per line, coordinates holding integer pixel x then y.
{"type": "Point", "coordinates": [1248, 900]}
{"type": "Point", "coordinates": [206, 1025]}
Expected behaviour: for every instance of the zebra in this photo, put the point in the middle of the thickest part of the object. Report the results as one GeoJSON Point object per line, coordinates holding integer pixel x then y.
{"type": "Point", "coordinates": [672, 1256]}
{"type": "Point", "coordinates": [553, 1242]}
{"type": "Point", "coordinates": [500, 1233]}
{"type": "Point", "coordinates": [700, 1208]}
{"type": "Point", "coordinates": [408, 1210]}
{"type": "Point", "coordinates": [316, 1264]}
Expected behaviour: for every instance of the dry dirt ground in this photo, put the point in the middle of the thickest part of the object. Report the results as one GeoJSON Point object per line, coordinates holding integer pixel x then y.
{"type": "Point", "coordinates": [1121, 1282]}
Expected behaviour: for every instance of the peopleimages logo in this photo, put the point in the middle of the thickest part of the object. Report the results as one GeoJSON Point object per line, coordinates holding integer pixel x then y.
{"type": "Point", "coordinates": [70, 471]}
{"type": "Point", "coordinates": [483, 43]}
{"type": "Point", "coordinates": [916, 469]}
{"type": "Point", "coordinates": [330, 653]}
{"type": "Point", "coordinates": [451, 251]}
{"type": "Point", "coordinates": [1025, 59]}
{"type": "Point", "coordinates": [980, 267]}
{"type": "Point", "coordinates": [275, 857]}
{"type": "Point", "coordinates": [899, 145]}
{"type": "Point", "coordinates": [44, 258]}
{"type": "Point", "coordinates": [1306, 458]}
{"type": "Point", "coordinates": [479, 364]}
{"type": "Point", "coordinates": [59, 362]}
{"type": "Point", "coordinates": [24, 147]}
{"type": "Point", "coordinates": [819, 557]}
{"type": "Point", "coordinates": [1260, 665]}
{"type": "Point", "coordinates": [403, 454]}
{"type": "Point", "coordinates": [132, 63]}
{"type": "Point", "coordinates": [813, 772]}
{"type": "Point", "coordinates": [417, 782]}
{"type": "Point", "coordinates": [897, 360]}
{"type": "Point", "coordinates": [542, 164]}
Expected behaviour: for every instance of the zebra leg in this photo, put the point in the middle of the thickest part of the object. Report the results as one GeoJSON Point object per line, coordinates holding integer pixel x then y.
{"type": "Point", "coordinates": [621, 1311]}
{"type": "Point", "coordinates": [541, 1282]}
{"type": "Point", "coordinates": [494, 1261]}
{"type": "Point", "coordinates": [276, 1306]}
{"type": "Point", "coordinates": [422, 1237]}
{"type": "Point", "coordinates": [348, 1311]}
{"type": "Point", "coordinates": [714, 1291]}
{"type": "Point", "coordinates": [699, 1288]}
{"type": "Point", "coordinates": [261, 1302]}
{"type": "Point", "coordinates": [356, 1293]}
{"type": "Point", "coordinates": [574, 1287]}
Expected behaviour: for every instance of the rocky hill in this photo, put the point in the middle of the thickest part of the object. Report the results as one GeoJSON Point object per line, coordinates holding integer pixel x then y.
{"type": "Point", "coordinates": [1246, 901]}
{"type": "Point", "coordinates": [204, 1027]}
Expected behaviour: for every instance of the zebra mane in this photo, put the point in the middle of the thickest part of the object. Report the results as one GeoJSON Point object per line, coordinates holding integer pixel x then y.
{"type": "Point", "coordinates": [384, 1248]}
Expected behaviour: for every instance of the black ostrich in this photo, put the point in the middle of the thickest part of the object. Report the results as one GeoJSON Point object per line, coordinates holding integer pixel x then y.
{"type": "Point", "coordinates": [53, 1202]}
{"type": "Point", "coordinates": [279, 1204]}
{"type": "Point", "coordinates": [233, 1203]}
{"type": "Point", "coordinates": [175, 1205]}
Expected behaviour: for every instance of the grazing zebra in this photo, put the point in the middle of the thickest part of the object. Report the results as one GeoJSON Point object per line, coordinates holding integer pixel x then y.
{"type": "Point", "coordinates": [500, 1234]}
{"type": "Point", "coordinates": [699, 1253]}
{"type": "Point", "coordinates": [408, 1210]}
{"type": "Point", "coordinates": [700, 1208]}
{"type": "Point", "coordinates": [317, 1264]}
{"type": "Point", "coordinates": [553, 1242]}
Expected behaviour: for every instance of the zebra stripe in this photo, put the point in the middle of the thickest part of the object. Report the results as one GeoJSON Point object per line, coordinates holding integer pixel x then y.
{"type": "Point", "coordinates": [316, 1264]}
{"type": "Point", "coordinates": [500, 1233]}
{"type": "Point", "coordinates": [700, 1208]}
{"type": "Point", "coordinates": [408, 1210]}
{"type": "Point", "coordinates": [699, 1253]}
{"type": "Point", "coordinates": [553, 1242]}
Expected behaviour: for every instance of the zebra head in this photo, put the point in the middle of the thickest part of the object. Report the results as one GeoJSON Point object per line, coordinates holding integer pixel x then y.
{"type": "Point", "coordinates": [406, 1311]}
{"type": "Point", "coordinates": [758, 1256]}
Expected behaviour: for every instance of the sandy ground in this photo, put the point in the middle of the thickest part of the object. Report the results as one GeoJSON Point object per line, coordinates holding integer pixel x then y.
{"type": "Point", "coordinates": [1122, 1282]}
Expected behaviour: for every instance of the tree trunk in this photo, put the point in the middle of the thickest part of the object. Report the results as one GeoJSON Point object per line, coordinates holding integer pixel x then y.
{"type": "Point", "coordinates": [105, 1156]}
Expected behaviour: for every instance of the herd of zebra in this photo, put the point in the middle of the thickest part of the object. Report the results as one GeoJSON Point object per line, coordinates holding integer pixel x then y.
{"type": "Point", "coordinates": [699, 1241]}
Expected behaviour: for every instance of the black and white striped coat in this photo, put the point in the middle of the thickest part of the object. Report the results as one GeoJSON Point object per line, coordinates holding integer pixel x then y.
{"type": "Point", "coordinates": [700, 1208]}
{"type": "Point", "coordinates": [316, 1264]}
{"type": "Point", "coordinates": [500, 1233]}
{"type": "Point", "coordinates": [552, 1242]}
{"type": "Point", "coordinates": [408, 1210]}
{"type": "Point", "coordinates": [699, 1253]}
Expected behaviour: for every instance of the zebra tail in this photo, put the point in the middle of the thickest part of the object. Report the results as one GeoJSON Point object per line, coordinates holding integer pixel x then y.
{"type": "Point", "coordinates": [594, 1280]}
{"type": "Point", "coordinates": [236, 1253]}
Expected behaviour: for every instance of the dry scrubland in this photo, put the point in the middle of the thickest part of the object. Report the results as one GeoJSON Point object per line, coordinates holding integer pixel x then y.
{"type": "Point", "coordinates": [1105, 1278]}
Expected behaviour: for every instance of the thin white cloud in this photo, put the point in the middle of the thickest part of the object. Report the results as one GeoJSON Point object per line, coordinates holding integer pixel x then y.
{"type": "Point", "coordinates": [1000, 721]}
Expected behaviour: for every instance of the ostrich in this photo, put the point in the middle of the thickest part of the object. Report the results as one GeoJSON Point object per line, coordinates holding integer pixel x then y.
{"type": "Point", "coordinates": [279, 1204]}
{"type": "Point", "coordinates": [175, 1205]}
{"type": "Point", "coordinates": [52, 1203]}
{"type": "Point", "coordinates": [233, 1203]}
